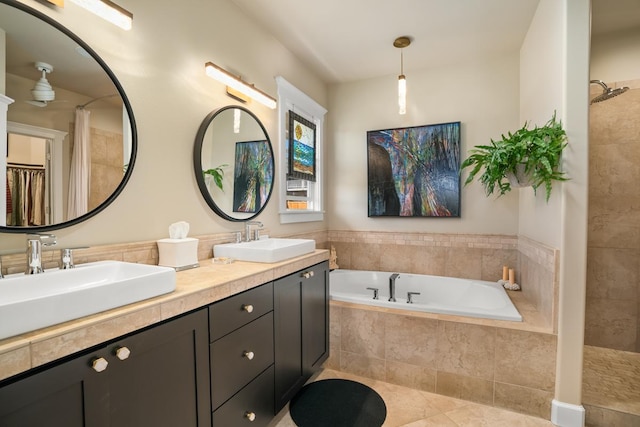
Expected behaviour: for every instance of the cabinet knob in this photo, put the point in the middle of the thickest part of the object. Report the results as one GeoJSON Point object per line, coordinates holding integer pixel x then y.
{"type": "Point", "coordinates": [99, 364]}
{"type": "Point", "coordinates": [249, 355]}
{"type": "Point", "coordinates": [251, 416]}
{"type": "Point", "coordinates": [123, 353]}
{"type": "Point", "coordinates": [307, 274]}
{"type": "Point", "coordinates": [248, 308]}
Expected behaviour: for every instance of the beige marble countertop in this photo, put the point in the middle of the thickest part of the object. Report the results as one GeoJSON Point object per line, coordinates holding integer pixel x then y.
{"type": "Point", "coordinates": [195, 288]}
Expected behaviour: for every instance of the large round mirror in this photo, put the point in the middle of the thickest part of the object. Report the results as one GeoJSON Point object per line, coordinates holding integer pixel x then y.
{"type": "Point", "coordinates": [71, 140]}
{"type": "Point", "coordinates": [233, 161]}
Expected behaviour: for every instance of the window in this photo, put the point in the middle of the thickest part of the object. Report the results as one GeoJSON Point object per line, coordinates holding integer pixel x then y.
{"type": "Point", "coordinates": [300, 196]}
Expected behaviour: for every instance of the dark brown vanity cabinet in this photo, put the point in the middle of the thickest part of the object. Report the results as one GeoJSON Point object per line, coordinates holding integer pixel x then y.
{"type": "Point", "coordinates": [156, 377]}
{"type": "Point", "coordinates": [242, 358]}
{"type": "Point", "coordinates": [301, 329]}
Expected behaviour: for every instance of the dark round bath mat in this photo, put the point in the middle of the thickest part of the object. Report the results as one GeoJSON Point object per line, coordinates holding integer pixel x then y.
{"type": "Point", "coordinates": [337, 403]}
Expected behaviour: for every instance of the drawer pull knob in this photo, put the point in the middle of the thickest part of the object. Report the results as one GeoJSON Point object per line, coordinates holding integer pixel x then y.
{"type": "Point", "coordinates": [248, 308]}
{"type": "Point", "coordinates": [99, 364]}
{"type": "Point", "coordinates": [251, 416]}
{"type": "Point", "coordinates": [248, 354]}
{"type": "Point", "coordinates": [123, 353]}
{"type": "Point", "coordinates": [307, 274]}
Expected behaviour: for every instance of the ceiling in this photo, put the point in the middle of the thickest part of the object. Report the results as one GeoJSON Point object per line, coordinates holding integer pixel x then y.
{"type": "Point", "coordinates": [339, 40]}
{"type": "Point", "coordinates": [347, 40]}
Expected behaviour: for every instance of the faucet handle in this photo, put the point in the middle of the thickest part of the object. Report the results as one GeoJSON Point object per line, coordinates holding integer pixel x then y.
{"type": "Point", "coordinates": [66, 259]}
{"type": "Point", "coordinates": [410, 295]}
{"type": "Point", "coordinates": [375, 292]}
{"type": "Point", "coordinates": [44, 239]}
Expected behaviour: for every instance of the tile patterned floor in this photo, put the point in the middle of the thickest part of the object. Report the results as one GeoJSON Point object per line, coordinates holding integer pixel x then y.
{"type": "Point", "coordinates": [407, 407]}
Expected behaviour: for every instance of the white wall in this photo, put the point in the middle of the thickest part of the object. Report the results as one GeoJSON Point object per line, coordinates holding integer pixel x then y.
{"type": "Point", "coordinates": [615, 56]}
{"type": "Point", "coordinates": [482, 95]}
{"type": "Point", "coordinates": [160, 64]}
{"type": "Point", "coordinates": [541, 93]}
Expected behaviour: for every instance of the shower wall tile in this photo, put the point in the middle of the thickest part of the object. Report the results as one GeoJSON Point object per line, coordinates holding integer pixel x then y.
{"type": "Point", "coordinates": [611, 323]}
{"type": "Point", "coordinates": [613, 273]}
{"type": "Point", "coordinates": [614, 222]}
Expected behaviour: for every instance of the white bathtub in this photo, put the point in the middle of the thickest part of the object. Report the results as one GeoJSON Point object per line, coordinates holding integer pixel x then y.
{"type": "Point", "coordinates": [445, 295]}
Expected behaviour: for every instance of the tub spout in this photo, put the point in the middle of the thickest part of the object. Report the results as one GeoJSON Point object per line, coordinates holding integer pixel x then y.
{"type": "Point", "coordinates": [392, 286]}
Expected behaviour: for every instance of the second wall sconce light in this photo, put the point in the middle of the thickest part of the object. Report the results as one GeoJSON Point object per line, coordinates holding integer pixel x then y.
{"type": "Point", "coordinates": [108, 10]}
{"type": "Point", "coordinates": [235, 84]}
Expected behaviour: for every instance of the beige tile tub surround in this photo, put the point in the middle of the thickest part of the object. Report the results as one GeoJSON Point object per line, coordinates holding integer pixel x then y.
{"type": "Point", "coordinates": [504, 364]}
{"type": "Point", "coordinates": [474, 256]}
{"type": "Point", "coordinates": [194, 289]}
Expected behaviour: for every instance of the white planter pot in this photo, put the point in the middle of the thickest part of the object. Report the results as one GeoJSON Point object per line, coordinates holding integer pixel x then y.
{"type": "Point", "coordinates": [520, 178]}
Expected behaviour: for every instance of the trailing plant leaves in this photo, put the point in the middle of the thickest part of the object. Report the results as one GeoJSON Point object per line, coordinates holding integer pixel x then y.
{"type": "Point", "coordinates": [539, 149]}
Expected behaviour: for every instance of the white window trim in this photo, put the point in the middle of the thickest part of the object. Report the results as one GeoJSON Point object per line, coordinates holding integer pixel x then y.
{"type": "Point", "coordinates": [292, 98]}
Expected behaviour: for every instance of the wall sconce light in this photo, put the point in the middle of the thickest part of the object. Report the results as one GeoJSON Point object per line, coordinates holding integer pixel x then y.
{"type": "Point", "coordinates": [235, 84]}
{"type": "Point", "coordinates": [109, 11]}
{"type": "Point", "coordinates": [401, 43]}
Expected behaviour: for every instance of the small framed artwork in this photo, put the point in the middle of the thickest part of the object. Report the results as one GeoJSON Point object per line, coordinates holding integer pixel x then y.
{"type": "Point", "coordinates": [302, 148]}
{"type": "Point", "coordinates": [252, 175]}
{"type": "Point", "coordinates": [414, 171]}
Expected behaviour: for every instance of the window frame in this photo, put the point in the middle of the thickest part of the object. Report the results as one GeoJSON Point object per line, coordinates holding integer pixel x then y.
{"type": "Point", "coordinates": [293, 99]}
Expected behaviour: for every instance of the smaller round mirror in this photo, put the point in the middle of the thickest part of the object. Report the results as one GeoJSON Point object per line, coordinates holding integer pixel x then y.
{"type": "Point", "coordinates": [233, 162]}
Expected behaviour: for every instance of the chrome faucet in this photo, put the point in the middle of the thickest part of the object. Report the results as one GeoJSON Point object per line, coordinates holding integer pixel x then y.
{"type": "Point", "coordinates": [247, 230]}
{"type": "Point", "coordinates": [392, 286]}
{"type": "Point", "coordinates": [35, 242]}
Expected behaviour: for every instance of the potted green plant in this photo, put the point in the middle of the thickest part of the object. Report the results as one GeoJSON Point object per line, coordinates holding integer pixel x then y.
{"type": "Point", "coordinates": [218, 175]}
{"type": "Point", "coordinates": [525, 157]}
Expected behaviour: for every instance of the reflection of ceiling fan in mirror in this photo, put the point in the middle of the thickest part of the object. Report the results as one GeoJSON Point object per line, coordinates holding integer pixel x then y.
{"type": "Point", "coordinates": [42, 92]}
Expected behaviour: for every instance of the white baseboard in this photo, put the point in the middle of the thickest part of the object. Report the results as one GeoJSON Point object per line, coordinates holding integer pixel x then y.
{"type": "Point", "coordinates": [566, 414]}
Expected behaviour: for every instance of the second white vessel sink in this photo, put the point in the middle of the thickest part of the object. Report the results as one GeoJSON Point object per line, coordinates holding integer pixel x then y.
{"type": "Point", "coordinates": [30, 302]}
{"type": "Point", "coordinates": [265, 250]}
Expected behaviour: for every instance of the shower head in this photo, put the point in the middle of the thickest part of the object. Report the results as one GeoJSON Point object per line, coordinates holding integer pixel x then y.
{"type": "Point", "coordinates": [607, 92]}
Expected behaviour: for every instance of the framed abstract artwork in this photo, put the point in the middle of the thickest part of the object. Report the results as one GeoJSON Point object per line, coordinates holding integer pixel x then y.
{"type": "Point", "coordinates": [414, 171]}
{"type": "Point", "coordinates": [302, 148]}
{"type": "Point", "coordinates": [252, 175]}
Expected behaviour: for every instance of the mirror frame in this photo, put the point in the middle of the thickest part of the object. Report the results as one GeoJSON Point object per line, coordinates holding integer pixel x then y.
{"type": "Point", "coordinates": [125, 101]}
{"type": "Point", "coordinates": [197, 162]}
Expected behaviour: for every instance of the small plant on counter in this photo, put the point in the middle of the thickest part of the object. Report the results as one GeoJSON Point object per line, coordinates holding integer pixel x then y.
{"type": "Point", "coordinates": [218, 175]}
{"type": "Point", "coordinates": [527, 157]}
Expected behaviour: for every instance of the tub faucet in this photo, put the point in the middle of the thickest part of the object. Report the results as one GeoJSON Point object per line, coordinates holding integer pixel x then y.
{"type": "Point", "coordinates": [247, 230]}
{"type": "Point", "coordinates": [35, 242]}
{"type": "Point", "coordinates": [392, 286]}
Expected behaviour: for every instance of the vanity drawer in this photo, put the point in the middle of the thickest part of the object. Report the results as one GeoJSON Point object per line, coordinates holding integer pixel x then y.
{"type": "Point", "coordinates": [238, 358]}
{"type": "Point", "coordinates": [238, 310]}
{"type": "Point", "coordinates": [254, 401]}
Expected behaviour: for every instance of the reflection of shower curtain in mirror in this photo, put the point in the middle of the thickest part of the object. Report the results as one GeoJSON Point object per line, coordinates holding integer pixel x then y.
{"type": "Point", "coordinates": [78, 202]}
{"type": "Point", "coordinates": [26, 186]}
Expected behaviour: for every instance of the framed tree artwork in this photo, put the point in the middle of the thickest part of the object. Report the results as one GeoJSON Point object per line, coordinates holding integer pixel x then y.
{"type": "Point", "coordinates": [414, 171]}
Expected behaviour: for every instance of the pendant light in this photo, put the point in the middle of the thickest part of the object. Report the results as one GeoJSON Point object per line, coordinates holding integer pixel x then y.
{"type": "Point", "coordinates": [401, 43]}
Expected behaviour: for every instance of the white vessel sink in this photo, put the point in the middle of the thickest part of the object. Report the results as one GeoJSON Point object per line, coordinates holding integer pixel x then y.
{"type": "Point", "coordinates": [29, 302]}
{"type": "Point", "coordinates": [265, 250]}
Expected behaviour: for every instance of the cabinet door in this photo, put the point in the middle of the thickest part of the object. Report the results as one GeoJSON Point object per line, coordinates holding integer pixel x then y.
{"type": "Point", "coordinates": [287, 339]}
{"type": "Point", "coordinates": [315, 317]}
{"type": "Point", "coordinates": [164, 380]}
{"type": "Point", "coordinates": [70, 394]}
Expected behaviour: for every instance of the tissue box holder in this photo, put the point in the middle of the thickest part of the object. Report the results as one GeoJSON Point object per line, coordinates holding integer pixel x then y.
{"type": "Point", "coordinates": [180, 254]}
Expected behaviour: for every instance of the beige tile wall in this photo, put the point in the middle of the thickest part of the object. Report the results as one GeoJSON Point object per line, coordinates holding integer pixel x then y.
{"type": "Point", "coordinates": [140, 252]}
{"type": "Point", "coordinates": [507, 368]}
{"type": "Point", "coordinates": [613, 271]}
